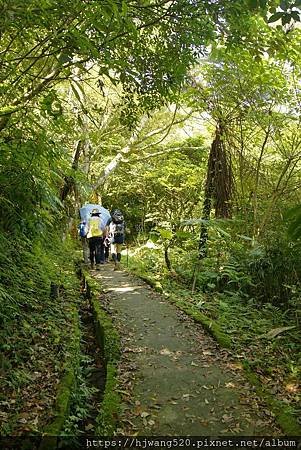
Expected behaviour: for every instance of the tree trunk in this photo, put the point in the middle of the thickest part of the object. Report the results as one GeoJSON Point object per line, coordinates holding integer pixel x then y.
{"type": "Point", "coordinates": [218, 188]}
{"type": "Point", "coordinates": [83, 145]}
{"type": "Point", "coordinates": [167, 260]}
{"type": "Point", "coordinates": [69, 183]}
{"type": "Point", "coordinates": [217, 193]}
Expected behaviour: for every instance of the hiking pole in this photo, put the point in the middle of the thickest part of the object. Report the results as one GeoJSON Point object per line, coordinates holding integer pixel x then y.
{"type": "Point", "coordinates": [127, 255]}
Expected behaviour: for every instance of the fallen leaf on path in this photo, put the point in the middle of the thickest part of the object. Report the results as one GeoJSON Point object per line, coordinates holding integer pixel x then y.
{"type": "Point", "coordinates": [124, 392]}
{"type": "Point", "coordinates": [226, 418]}
{"type": "Point", "coordinates": [235, 366]}
{"type": "Point", "coordinates": [230, 385]}
{"type": "Point", "coordinates": [165, 351]}
{"type": "Point", "coordinates": [156, 406]}
{"type": "Point", "coordinates": [23, 420]}
{"type": "Point", "coordinates": [134, 350]}
{"type": "Point", "coordinates": [128, 421]}
{"type": "Point", "coordinates": [205, 423]}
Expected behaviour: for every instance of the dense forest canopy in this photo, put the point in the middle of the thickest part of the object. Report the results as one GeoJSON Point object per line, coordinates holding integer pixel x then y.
{"type": "Point", "coordinates": [184, 113]}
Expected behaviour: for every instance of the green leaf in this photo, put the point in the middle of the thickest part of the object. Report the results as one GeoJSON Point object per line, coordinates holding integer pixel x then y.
{"type": "Point", "coordinates": [165, 234]}
{"type": "Point", "coordinates": [183, 234]}
{"type": "Point", "coordinates": [286, 18]}
{"type": "Point", "coordinates": [124, 8]}
{"type": "Point", "coordinates": [195, 222]}
{"type": "Point", "coordinates": [263, 3]}
{"type": "Point", "coordinates": [275, 17]}
{"type": "Point", "coordinates": [296, 16]}
{"type": "Point", "coordinates": [223, 232]}
{"type": "Point", "coordinates": [253, 4]}
{"type": "Point", "coordinates": [245, 238]}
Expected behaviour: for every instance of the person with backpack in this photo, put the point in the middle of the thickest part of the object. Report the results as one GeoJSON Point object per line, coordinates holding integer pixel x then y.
{"type": "Point", "coordinates": [117, 236]}
{"type": "Point", "coordinates": [82, 232]}
{"type": "Point", "coordinates": [95, 235]}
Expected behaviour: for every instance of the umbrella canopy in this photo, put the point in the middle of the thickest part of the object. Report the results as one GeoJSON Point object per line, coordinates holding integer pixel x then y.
{"type": "Point", "coordinates": [85, 212]}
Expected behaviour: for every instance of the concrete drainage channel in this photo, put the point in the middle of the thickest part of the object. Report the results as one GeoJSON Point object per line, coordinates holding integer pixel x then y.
{"type": "Point", "coordinates": [93, 371]}
{"type": "Point", "coordinates": [98, 343]}
{"type": "Point", "coordinates": [109, 341]}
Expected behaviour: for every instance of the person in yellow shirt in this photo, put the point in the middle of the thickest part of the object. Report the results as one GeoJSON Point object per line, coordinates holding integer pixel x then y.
{"type": "Point", "coordinates": [95, 237]}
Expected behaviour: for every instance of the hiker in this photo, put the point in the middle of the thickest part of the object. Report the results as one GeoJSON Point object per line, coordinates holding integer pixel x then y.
{"type": "Point", "coordinates": [117, 235]}
{"type": "Point", "coordinates": [96, 229]}
{"type": "Point", "coordinates": [107, 245]}
{"type": "Point", "coordinates": [82, 232]}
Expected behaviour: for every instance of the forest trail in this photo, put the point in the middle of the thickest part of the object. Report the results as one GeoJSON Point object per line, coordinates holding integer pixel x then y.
{"type": "Point", "coordinates": [173, 377]}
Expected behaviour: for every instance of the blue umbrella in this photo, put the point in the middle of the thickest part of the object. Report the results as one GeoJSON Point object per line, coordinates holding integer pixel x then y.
{"type": "Point", "coordinates": [85, 212]}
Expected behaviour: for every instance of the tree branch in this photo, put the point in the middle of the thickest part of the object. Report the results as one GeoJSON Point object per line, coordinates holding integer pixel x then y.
{"type": "Point", "coordinates": [161, 152]}
{"type": "Point", "coordinates": [115, 161]}
{"type": "Point", "coordinates": [20, 103]}
{"type": "Point", "coordinates": [133, 146]}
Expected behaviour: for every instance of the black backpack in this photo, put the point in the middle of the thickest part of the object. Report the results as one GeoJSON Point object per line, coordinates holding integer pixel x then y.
{"type": "Point", "coordinates": [117, 216]}
{"type": "Point", "coordinates": [118, 229]}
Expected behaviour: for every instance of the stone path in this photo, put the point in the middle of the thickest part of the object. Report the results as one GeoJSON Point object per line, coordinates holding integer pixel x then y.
{"type": "Point", "coordinates": [174, 379]}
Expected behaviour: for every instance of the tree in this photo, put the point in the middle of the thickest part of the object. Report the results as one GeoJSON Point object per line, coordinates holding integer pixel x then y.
{"type": "Point", "coordinates": [252, 103]}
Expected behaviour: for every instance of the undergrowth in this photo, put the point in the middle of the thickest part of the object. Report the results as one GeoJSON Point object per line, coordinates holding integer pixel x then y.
{"type": "Point", "coordinates": [81, 403]}
{"type": "Point", "coordinates": [36, 328]}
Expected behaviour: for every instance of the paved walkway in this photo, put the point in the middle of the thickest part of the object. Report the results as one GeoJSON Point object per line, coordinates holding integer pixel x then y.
{"type": "Point", "coordinates": [174, 379]}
